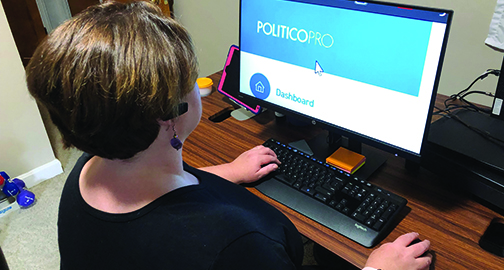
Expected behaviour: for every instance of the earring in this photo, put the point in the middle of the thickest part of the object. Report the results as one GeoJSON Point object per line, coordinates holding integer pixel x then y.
{"type": "Point", "coordinates": [175, 142]}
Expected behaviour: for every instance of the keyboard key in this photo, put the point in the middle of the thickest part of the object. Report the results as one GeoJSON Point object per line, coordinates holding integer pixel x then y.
{"type": "Point", "coordinates": [370, 222]}
{"type": "Point", "coordinates": [393, 206]}
{"type": "Point", "coordinates": [339, 207]}
{"type": "Point", "coordinates": [384, 205]}
{"type": "Point", "coordinates": [323, 191]}
{"type": "Point", "coordinates": [344, 202]}
{"type": "Point", "coordinates": [330, 188]}
{"type": "Point", "coordinates": [364, 204]}
{"type": "Point", "coordinates": [378, 225]}
{"type": "Point", "coordinates": [308, 190]}
{"type": "Point", "coordinates": [297, 185]}
{"type": "Point", "coordinates": [336, 184]}
{"type": "Point", "coordinates": [333, 203]}
{"type": "Point", "coordinates": [359, 217]}
{"type": "Point", "coordinates": [388, 213]}
{"type": "Point", "coordinates": [285, 179]}
{"type": "Point", "coordinates": [321, 197]}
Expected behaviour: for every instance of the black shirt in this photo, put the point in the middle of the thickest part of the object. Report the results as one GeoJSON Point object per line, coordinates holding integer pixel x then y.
{"type": "Point", "coordinates": [214, 225]}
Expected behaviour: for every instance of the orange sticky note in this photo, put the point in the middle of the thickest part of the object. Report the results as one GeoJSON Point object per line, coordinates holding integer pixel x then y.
{"type": "Point", "coordinates": [346, 160]}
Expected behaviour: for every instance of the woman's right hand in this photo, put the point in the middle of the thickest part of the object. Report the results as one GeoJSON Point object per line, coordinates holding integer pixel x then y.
{"type": "Point", "coordinates": [401, 254]}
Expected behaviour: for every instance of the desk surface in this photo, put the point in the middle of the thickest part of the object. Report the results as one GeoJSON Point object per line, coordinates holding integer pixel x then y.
{"type": "Point", "coordinates": [451, 221]}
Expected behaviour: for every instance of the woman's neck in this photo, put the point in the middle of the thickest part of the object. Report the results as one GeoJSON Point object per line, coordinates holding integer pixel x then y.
{"type": "Point", "coordinates": [122, 186]}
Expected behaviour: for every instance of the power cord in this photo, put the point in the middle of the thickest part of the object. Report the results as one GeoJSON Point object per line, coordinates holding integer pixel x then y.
{"type": "Point", "coordinates": [461, 96]}
{"type": "Point", "coordinates": [449, 108]}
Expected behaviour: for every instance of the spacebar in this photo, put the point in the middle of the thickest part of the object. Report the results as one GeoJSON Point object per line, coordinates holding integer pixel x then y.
{"type": "Point", "coordinates": [318, 212]}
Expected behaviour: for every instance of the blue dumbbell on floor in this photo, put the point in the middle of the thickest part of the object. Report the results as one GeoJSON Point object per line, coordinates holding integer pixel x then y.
{"type": "Point", "coordinates": [10, 188]}
{"type": "Point", "coordinates": [25, 197]}
{"type": "Point", "coordinates": [17, 187]}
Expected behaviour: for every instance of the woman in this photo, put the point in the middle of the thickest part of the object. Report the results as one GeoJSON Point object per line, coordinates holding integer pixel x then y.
{"type": "Point", "coordinates": [119, 83]}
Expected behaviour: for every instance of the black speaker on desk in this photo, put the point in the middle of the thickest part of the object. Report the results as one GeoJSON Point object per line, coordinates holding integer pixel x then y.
{"type": "Point", "coordinates": [468, 153]}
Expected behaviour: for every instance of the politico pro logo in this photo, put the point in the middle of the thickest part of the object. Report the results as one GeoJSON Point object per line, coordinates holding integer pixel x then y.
{"type": "Point", "coordinates": [294, 34]}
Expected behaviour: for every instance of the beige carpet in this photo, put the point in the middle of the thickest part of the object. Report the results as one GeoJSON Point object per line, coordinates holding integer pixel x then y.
{"type": "Point", "coordinates": [28, 237]}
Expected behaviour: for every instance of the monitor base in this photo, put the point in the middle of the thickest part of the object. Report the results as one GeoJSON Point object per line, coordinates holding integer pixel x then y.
{"type": "Point", "coordinates": [242, 114]}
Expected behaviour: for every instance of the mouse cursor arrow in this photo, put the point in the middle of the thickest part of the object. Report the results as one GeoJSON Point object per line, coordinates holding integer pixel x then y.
{"type": "Point", "coordinates": [318, 69]}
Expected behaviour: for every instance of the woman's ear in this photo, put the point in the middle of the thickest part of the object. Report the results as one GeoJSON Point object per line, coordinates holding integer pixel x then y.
{"type": "Point", "coordinates": [165, 124]}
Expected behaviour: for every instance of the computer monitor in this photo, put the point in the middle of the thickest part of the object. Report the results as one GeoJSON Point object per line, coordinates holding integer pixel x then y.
{"type": "Point", "coordinates": [366, 70]}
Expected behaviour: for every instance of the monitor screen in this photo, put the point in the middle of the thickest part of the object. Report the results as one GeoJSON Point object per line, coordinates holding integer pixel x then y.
{"type": "Point", "coordinates": [368, 70]}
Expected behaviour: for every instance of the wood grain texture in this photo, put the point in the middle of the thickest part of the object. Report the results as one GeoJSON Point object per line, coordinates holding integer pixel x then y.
{"type": "Point", "coordinates": [451, 220]}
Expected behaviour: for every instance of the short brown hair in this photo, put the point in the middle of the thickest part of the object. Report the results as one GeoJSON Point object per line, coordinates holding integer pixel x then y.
{"type": "Point", "coordinates": [107, 75]}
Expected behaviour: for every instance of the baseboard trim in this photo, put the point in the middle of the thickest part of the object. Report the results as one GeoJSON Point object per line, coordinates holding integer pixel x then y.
{"type": "Point", "coordinates": [42, 173]}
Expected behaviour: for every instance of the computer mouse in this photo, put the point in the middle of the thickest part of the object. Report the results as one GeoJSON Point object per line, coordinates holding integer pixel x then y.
{"type": "Point", "coordinates": [432, 253]}
{"type": "Point", "coordinates": [416, 241]}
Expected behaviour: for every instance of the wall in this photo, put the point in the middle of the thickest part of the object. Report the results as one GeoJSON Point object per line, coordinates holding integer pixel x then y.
{"type": "Point", "coordinates": [214, 27]}
{"type": "Point", "coordinates": [25, 148]}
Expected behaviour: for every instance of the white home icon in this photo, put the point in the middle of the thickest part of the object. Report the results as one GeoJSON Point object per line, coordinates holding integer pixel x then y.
{"type": "Point", "coordinates": [259, 87]}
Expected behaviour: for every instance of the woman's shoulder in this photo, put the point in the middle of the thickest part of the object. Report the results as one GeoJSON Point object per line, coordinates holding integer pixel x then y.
{"type": "Point", "coordinates": [238, 203]}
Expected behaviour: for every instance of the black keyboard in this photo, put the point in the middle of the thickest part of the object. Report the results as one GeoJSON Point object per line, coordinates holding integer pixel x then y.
{"type": "Point", "coordinates": [340, 201]}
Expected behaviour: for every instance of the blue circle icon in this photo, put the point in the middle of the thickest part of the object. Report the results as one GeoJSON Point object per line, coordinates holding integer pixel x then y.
{"type": "Point", "coordinates": [260, 86]}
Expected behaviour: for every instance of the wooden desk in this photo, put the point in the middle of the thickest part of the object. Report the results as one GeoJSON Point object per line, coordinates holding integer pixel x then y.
{"type": "Point", "coordinates": [451, 221]}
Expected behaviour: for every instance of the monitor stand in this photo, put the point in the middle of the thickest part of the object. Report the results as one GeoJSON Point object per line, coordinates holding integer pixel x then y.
{"type": "Point", "coordinates": [242, 114]}
{"type": "Point", "coordinates": [324, 144]}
